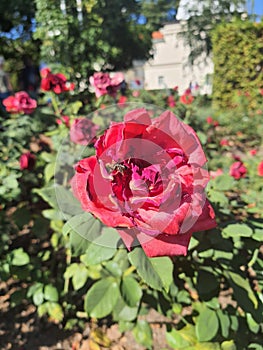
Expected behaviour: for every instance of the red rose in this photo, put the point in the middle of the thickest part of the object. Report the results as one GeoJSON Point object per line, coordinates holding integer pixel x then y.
{"type": "Point", "coordinates": [56, 82]}
{"type": "Point", "coordinates": [44, 72]}
{"type": "Point", "coordinates": [238, 170]}
{"type": "Point", "coordinates": [83, 131]}
{"type": "Point", "coordinates": [148, 180]}
{"type": "Point", "coordinates": [21, 102]}
{"type": "Point", "coordinates": [260, 169]}
{"type": "Point", "coordinates": [27, 161]}
{"type": "Point", "coordinates": [253, 152]}
{"type": "Point", "coordinates": [224, 142]}
{"type": "Point", "coordinates": [122, 100]}
{"type": "Point", "coordinates": [187, 98]}
{"type": "Point", "coordinates": [209, 120]}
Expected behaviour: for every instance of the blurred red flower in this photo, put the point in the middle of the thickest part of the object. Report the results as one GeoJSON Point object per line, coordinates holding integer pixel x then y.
{"type": "Point", "coordinates": [187, 98]}
{"type": "Point", "coordinates": [21, 102]}
{"type": "Point", "coordinates": [56, 82]}
{"type": "Point", "coordinates": [64, 120]}
{"type": "Point", "coordinates": [27, 161]}
{"type": "Point", "coordinates": [238, 170]}
{"type": "Point", "coordinates": [260, 168]}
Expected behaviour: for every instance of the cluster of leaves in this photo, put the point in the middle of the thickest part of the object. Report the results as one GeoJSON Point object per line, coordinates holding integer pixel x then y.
{"type": "Point", "coordinates": [74, 269]}
{"type": "Point", "coordinates": [237, 51]}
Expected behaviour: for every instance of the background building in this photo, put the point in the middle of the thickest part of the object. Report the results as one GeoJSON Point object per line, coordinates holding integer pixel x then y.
{"type": "Point", "coordinates": [170, 67]}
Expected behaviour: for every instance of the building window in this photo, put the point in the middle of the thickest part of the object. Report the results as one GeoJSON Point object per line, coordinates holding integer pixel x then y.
{"type": "Point", "coordinates": [161, 80]}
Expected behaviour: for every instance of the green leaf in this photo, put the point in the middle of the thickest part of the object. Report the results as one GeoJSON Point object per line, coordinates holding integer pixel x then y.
{"type": "Point", "coordinates": [228, 345]}
{"type": "Point", "coordinates": [207, 325]}
{"type": "Point", "coordinates": [224, 323]}
{"type": "Point", "coordinates": [83, 229]}
{"type": "Point", "coordinates": [223, 183]}
{"type": "Point", "coordinates": [55, 311]}
{"type": "Point", "coordinates": [122, 312]}
{"type": "Point", "coordinates": [19, 257]}
{"type": "Point", "coordinates": [59, 197]}
{"type": "Point", "coordinates": [101, 298]}
{"type": "Point", "coordinates": [113, 268]}
{"type": "Point", "coordinates": [237, 230]}
{"type": "Point", "coordinates": [180, 339]}
{"type": "Point", "coordinates": [131, 291]}
{"type": "Point", "coordinates": [80, 277]}
{"type": "Point", "coordinates": [143, 333]}
{"type": "Point", "coordinates": [103, 247]}
{"type": "Point", "coordinates": [49, 171]}
{"type": "Point", "coordinates": [252, 324]}
{"type": "Point", "coordinates": [38, 296]}
{"type": "Point", "coordinates": [156, 272]}
{"type": "Point", "coordinates": [50, 293]}
{"type": "Point", "coordinates": [67, 203]}
{"type": "Point", "coordinates": [239, 284]}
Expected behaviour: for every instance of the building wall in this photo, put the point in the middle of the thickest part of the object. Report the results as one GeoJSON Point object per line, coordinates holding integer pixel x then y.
{"type": "Point", "coordinates": [169, 66]}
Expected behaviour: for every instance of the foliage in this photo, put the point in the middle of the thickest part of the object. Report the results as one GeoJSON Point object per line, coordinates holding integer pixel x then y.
{"type": "Point", "coordinates": [237, 52]}
{"type": "Point", "coordinates": [202, 17]}
{"type": "Point", "coordinates": [87, 38]}
{"type": "Point", "coordinates": [77, 269]}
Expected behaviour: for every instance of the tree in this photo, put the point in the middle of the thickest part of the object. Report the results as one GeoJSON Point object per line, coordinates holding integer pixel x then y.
{"type": "Point", "coordinates": [107, 35]}
{"type": "Point", "coordinates": [201, 17]}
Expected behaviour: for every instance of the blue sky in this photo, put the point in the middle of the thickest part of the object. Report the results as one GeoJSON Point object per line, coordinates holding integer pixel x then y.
{"type": "Point", "coordinates": [258, 6]}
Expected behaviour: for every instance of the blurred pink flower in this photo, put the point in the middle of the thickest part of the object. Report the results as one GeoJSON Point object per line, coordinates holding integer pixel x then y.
{"type": "Point", "coordinates": [171, 101]}
{"type": "Point", "coordinates": [224, 142]}
{"type": "Point", "coordinates": [27, 161]}
{"type": "Point", "coordinates": [260, 168]}
{"type": "Point", "coordinates": [253, 152]}
{"type": "Point", "coordinates": [238, 170]}
{"type": "Point", "coordinates": [104, 84]}
{"type": "Point", "coordinates": [83, 131]}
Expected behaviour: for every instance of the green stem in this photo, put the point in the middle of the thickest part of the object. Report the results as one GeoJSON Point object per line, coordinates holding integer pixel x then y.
{"type": "Point", "coordinates": [68, 262]}
{"type": "Point", "coordinates": [55, 105]}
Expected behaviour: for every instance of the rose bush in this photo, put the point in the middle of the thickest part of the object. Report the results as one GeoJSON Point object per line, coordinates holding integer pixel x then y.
{"type": "Point", "coordinates": [148, 180]}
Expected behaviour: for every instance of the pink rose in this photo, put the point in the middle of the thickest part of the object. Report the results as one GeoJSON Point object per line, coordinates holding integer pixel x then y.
{"type": "Point", "coordinates": [171, 101]}
{"type": "Point", "coordinates": [83, 131]}
{"type": "Point", "coordinates": [260, 169]}
{"type": "Point", "coordinates": [27, 161]}
{"type": "Point", "coordinates": [21, 102]}
{"type": "Point", "coordinates": [100, 81]}
{"type": "Point", "coordinates": [104, 84]}
{"type": "Point", "coordinates": [136, 93]}
{"type": "Point", "coordinates": [238, 170]}
{"type": "Point", "coordinates": [148, 180]}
